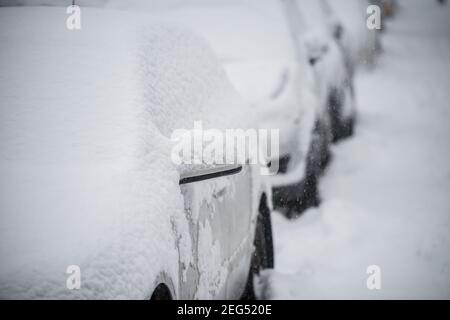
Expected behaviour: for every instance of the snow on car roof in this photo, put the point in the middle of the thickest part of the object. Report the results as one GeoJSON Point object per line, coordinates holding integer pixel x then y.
{"type": "Point", "coordinates": [84, 149]}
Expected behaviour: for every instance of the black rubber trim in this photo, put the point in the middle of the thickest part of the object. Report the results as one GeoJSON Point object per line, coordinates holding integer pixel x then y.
{"type": "Point", "coordinates": [211, 175]}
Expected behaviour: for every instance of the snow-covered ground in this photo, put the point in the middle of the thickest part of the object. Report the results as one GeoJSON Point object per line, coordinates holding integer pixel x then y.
{"type": "Point", "coordinates": [385, 196]}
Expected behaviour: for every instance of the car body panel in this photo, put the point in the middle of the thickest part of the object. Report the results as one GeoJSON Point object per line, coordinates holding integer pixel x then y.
{"type": "Point", "coordinates": [222, 221]}
{"type": "Point", "coordinates": [87, 177]}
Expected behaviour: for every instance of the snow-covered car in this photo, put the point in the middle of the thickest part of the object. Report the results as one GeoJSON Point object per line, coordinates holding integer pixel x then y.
{"type": "Point", "coordinates": [362, 44]}
{"type": "Point", "coordinates": [264, 63]}
{"type": "Point", "coordinates": [312, 26]}
{"type": "Point", "coordinates": [388, 7]}
{"type": "Point", "coordinates": [91, 204]}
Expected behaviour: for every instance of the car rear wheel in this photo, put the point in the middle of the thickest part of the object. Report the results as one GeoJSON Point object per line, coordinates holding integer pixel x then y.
{"type": "Point", "coordinates": [262, 257]}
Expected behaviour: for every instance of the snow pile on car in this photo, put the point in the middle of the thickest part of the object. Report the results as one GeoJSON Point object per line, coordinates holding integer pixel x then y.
{"type": "Point", "coordinates": [85, 123]}
{"type": "Point", "coordinates": [363, 43]}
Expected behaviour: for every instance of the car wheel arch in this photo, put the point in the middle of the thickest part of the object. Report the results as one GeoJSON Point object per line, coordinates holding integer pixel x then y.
{"type": "Point", "coordinates": [163, 288]}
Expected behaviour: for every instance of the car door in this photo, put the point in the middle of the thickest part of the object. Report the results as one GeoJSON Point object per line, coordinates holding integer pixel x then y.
{"type": "Point", "coordinates": [218, 206]}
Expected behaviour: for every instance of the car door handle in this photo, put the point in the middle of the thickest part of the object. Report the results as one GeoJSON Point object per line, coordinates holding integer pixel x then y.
{"type": "Point", "coordinates": [210, 173]}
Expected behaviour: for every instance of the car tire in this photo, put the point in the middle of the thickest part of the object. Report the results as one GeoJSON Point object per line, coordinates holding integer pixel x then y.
{"type": "Point", "coordinates": [262, 257]}
{"type": "Point", "coordinates": [319, 150]}
{"type": "Point", "coordinates": [340, 128]}
{"type": "Point", "coordinates": [293, 200]}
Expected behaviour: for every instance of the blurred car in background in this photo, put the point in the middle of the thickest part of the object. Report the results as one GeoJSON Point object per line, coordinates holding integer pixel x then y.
{"type": "Point", "coordinates": [388, 7]}
{"type": "Point", "coordinates": [88, 183]}
{"type": "Point", "coordinates": [361, 44]}
{"type": "Point", "coordinates": [313, 25]}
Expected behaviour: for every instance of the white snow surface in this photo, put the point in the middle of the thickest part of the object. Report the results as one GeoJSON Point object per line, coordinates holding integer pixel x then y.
{"type": "Point", "coordinates": [85, 123]}
{"type": "Point", "coordinates": [385, 195]}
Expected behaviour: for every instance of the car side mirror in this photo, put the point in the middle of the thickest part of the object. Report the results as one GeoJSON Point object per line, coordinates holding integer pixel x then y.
{"type": "Point", "coordinates": [317, 53]}
{"type": "Point", "coordinates": [337, 31]}
{"type": "Point", "coordinates": [312, 61]}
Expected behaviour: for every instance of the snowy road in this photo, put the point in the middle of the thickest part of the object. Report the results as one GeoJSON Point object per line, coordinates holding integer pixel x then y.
{"type": "Point", "coordinates": [386, 194]}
